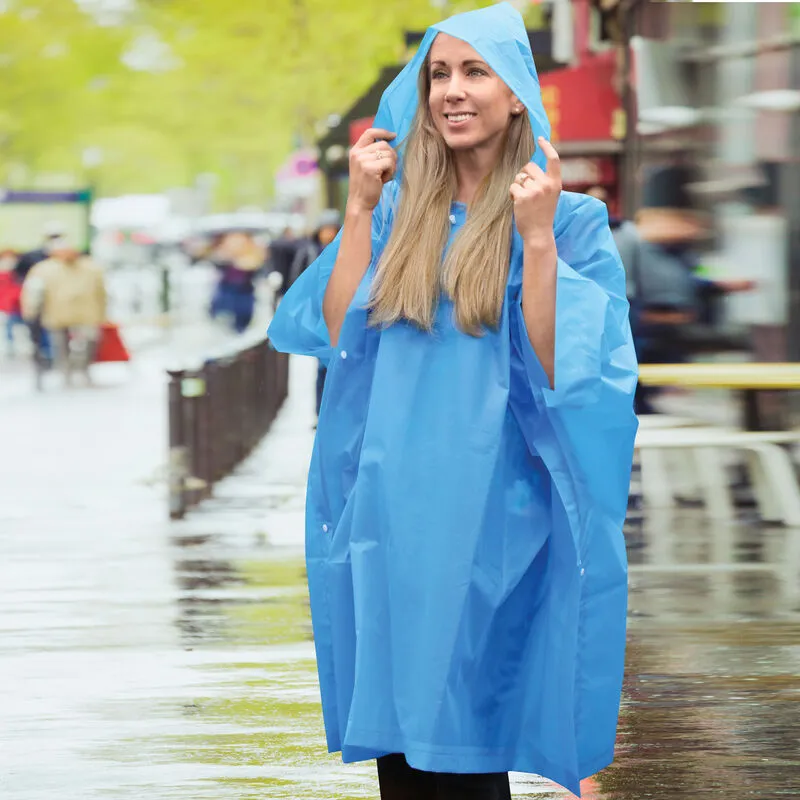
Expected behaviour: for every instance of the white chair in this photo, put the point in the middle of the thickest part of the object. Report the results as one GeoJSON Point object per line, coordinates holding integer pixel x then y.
{"type": "Point", "coordinates": [772, 472]}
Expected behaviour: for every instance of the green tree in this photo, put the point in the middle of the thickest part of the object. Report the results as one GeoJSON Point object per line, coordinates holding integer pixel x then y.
{"type": "Point", "coordinates": [180, 87]}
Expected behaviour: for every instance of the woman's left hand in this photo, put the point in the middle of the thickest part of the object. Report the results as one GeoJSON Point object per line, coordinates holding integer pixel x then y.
{"type": "Point", "coordinates": [535, 193]}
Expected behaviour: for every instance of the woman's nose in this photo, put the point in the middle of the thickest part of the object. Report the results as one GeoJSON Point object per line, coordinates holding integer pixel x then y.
{"type": "Point", "coordinates": [455, 90]}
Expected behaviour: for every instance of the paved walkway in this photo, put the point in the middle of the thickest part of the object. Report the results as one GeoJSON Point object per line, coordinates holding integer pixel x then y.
{"type": "Point", "coordinates": [143, 658]}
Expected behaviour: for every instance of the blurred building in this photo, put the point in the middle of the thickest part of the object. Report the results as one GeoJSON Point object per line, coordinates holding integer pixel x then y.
{"type": "Point", "coordinates": [716, 86]}
{"type": "Point", "coordinates": [712, 88]}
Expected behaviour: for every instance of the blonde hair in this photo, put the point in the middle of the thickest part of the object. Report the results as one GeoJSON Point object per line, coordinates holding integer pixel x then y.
{"type": "Point", "coordinates": [410, 276]}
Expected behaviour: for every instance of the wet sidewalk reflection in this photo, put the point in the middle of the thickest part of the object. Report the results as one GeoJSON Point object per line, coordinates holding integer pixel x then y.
{"type": "Point", "coordinates": [147, 659]}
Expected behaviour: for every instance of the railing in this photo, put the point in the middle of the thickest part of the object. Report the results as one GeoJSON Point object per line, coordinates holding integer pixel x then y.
{"type": "Point", "coordinates": [217, 414]}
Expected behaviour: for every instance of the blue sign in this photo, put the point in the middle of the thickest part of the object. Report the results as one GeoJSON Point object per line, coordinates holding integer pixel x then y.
{"type": "Point", "coordinates": [46, 198]}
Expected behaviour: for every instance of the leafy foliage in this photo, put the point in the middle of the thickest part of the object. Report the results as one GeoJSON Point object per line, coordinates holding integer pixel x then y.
{"type": "Point", "coordinates": [175, 88]}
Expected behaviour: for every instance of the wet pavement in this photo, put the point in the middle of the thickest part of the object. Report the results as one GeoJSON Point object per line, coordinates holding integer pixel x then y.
{"type": "Point", "coordinates": [143, 658]}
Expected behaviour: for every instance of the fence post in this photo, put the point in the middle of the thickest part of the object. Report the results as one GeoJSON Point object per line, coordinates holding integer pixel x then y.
{"type": "Point", "coordinates": [216, 444]}
{"type": "Point", "coordinates": [193, 390]}
{"type": "Point", "coordinates": [177, 447]}
{"type": "Point", "coordinates": [205, 441]}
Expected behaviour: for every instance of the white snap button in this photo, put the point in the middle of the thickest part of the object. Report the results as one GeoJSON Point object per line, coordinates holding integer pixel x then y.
{"type": "Point", "coordinates": [343, 354]}
{"type": "Point", "coordinates": [453, 219]}
{"type": "Point", "coordinates": [582, 571]}
{"type": "Point", "coordinates": [325, 528]}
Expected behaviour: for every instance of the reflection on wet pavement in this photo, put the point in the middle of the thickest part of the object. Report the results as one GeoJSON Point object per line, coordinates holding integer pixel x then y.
{"type": "Point", "coordinates": [176, 660]}
{"type": "Point", "coordinates": [712, 694]}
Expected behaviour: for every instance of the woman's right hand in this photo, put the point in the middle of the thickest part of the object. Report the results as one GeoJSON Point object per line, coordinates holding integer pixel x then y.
{"type": "Point", "coordinates": [373, 163]}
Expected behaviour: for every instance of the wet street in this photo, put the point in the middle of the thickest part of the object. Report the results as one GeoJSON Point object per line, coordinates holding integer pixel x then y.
{"type": "Point", "coordinates": [146, 659]}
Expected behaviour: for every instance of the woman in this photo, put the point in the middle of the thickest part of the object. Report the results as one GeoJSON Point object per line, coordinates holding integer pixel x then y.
{"type": "Point", "coordinates": [469, 478]}
{"type": "Point", "coordinates": [238, 259]}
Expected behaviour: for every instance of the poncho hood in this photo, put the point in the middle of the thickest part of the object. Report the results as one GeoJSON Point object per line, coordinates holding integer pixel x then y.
{"type": "Point", "coordinates": [499, 36]}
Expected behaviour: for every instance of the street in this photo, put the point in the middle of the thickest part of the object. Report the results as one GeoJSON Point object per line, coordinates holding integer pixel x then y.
{"type": "Point", "coordinates": [587, 186]}
{"type": "Point", "coordinates": [143, 658]}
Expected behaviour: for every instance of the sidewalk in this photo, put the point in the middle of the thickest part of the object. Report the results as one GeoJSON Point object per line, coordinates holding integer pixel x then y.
{"type": "Point", "coordinates": [108, 634]}
{"type": "Point", "coordinates": [141, 658]}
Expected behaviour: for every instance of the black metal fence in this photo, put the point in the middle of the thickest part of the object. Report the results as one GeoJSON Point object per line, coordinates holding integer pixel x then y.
{"type": "Point", "coordinates": [217, 415]}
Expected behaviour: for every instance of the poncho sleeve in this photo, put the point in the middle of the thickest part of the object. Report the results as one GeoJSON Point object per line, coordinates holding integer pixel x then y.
{"type": "Point", "coordinates": [299, 325]}
{"type": "Point", "coordinates": [590, 407]}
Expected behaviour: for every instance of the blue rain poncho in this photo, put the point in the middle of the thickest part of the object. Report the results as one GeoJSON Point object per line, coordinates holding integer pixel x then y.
{"type": "Point", "coordinates": [466, 562]}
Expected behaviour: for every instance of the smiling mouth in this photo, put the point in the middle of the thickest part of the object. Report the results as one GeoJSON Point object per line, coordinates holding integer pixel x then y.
{"type": "Point", "coordinates": [460, 117]}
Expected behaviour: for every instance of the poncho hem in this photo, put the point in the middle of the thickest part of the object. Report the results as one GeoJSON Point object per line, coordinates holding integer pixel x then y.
{"type": "Point", "coordinates": [466, 759]}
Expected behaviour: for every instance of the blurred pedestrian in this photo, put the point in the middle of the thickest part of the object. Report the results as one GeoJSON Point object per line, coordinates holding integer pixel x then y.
{"type": "Point", "coordinates": [470, 477]}
{"type": "Point", "coordinates": [52, 234]}
{"type": "Point", "coordinates": [282, 252]}
{"type": "Point", "coordinates": [66, 295]}
{"type": "Point", "coordinates": [40, 338]}
{"type": "Point", "coordinates": [308, 250]}
{"type": "Point", "coordinates": [238, 260]}
{"type": "Point", "coordinates": [10, 290]}
{"type": "Point", "coordinates": [677, 308]}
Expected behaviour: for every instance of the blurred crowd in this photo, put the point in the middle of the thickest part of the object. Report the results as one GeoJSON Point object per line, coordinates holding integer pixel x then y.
{"type": "Point", "coordinates": [55, 295]}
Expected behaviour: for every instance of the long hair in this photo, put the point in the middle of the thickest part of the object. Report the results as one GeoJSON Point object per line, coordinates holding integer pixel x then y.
{"type": "Point", "coordinates": [410, 275]}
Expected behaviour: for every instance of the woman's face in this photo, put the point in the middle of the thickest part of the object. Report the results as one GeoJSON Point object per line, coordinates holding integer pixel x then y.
{"type": "Point", "coordinates": [471, 107]}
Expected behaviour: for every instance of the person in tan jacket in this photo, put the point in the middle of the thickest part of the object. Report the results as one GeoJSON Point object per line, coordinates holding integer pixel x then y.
{"type": "Point", "coordinates": [66, 293]}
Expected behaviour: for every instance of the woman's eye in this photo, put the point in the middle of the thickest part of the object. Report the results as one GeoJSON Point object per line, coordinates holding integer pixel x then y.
{"type": "Point", "coordinates": [438, 74]}
{"type": "Point", "coordinates": [476, 71]}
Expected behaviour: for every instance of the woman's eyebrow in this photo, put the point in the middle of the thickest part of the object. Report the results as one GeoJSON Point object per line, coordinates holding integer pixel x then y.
{"type": "Point", "coordinates": [468, 63]}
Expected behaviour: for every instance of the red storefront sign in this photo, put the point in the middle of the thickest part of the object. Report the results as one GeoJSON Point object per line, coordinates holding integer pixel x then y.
{"type": "Point", "coordinates": [358, 126]}
{"type": "Point", "coordinates": [581, 102]}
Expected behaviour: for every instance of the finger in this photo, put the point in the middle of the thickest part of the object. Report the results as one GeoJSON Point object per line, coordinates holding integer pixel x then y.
{"type": "Point", "coordinates": [378, 146]}
{"type": "Point", "coordinates": [372, 163]}
{"type": "Point", "coordinates": [372, 135]}
{"type": "Point", "coordinates": [380, 154]}
{"type": "Point", "coordinates": [553, 160]}
{"type": "Point", "coordinates": [379, 150]}
{"type": "Point", "coordinates": [382, 171]}
{"type": "Point", "coordinates": [534, 170]}
{"type": "Point", "coordinates": [517, 192]}
{"type": "Point", "coordinates": [375, 166]}
{"type": "Point", "coordinates": [388, 174]}
{"type": "Point", "coordinates": [524, 180]}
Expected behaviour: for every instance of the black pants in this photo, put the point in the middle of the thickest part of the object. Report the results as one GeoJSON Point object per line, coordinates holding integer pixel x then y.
{"type": "Point", "coordinates": [399, 781]}
{"type": "Point", "coordinates": [655, 344]}
{"type": "Point", "coordinates": [321, 373]}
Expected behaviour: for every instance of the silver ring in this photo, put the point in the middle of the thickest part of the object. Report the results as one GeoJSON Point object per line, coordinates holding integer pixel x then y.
{"type": "Point", "coordinates": [522, 177]}
{"type": "Point", "coordinates": [380, 154]}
